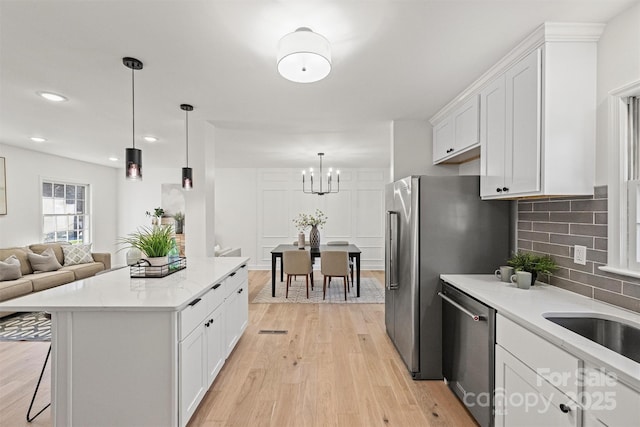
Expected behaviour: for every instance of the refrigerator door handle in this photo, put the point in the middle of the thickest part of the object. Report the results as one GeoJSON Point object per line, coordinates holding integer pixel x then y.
{"type": "Point", "coordinates": [475, 317]}
{"type": "Point", "coordinates": [391, 249]}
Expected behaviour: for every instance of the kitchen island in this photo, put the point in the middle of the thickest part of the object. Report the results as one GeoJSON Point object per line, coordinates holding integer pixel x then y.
{"type": "Point", "coordinates": [144, 351]}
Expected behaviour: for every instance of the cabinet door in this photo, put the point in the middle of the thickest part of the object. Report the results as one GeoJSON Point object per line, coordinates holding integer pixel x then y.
{"type": "Point", "coordinates": [442, 139]}
{"type": "Point", "coordinates": [606, 400]}
{"type": "Point", "coordinates": [243, 308]}
{"type": "Point", "coordinates": [492, 138]}
{"type": "Point", "coordinates": [231, 322]}
{"type": "Point", "coordinates": [215, 344]}
{"type": "Point", "coordinates": [523, 152]}
{"type": "Point", "coordinates": [523, 398]}
{"type": "Point", "coordinates": [193, 373]}
{"type": "Point", "coordinates": [465, 125]}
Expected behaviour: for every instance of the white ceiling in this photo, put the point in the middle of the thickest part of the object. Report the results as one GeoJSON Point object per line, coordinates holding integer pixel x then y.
{"type": "Point", "coordinates": [392, 60]}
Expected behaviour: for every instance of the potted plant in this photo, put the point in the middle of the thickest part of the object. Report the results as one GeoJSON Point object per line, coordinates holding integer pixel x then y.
{"type": "Point", "coordinates": [179, 219]}
{"type": "Point", "coordinates": [155, 242]}
{"type": "Point", "coordinates": [155, 216]}
{"type": "Point", "coordinates": [303, 221]}
{"type": "Point", "coordinates": [534, 264]}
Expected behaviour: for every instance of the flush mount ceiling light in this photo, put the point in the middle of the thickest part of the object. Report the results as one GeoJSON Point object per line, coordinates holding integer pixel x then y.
{"type": "Point", "coordinates": [321, 192]}
{"type": "Point", "coordinates": [50, 96]}
{"type": "Point", "coordinates": [113, 159]}
{"type": "Point", "coordinates": [304, 56]}
{"type": "Point", "coordinates": [187, 172]}
{"type": "Point", "coordinates": [151, 139]}
{"type": "Point", "coordinates": [133, 156]}
{"type": "Point", "coordinates": [37, 139]}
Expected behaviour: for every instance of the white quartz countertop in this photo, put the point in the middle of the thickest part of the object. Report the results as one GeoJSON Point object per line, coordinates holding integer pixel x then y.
{"type": "Point", "coordinates": [527, 307]}
{"type": "Point", "coordinates": [115, 290]}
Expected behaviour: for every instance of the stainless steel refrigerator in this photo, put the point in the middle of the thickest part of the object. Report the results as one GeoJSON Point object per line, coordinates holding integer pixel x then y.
{"type": "Point", "coordinates": [435, 225]}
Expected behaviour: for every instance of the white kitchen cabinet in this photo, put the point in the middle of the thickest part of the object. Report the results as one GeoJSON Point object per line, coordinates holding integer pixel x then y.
{"type": "Point", "coordinates": [213, 325]}
{"type": "Point", "coordinates": [216, 355]}
{"type": "Point", "coordinates": [236, 307]}
{"type": "Point", "coordinates": [607, 401]}
{"type": "Point", "coordinates": [536, 382]}
{"type": "Point", "coordinates": [524, 398]}
{"type": "Point", "coordinates": [457, 133]}
{"type": "Point", "coordinates": [548, 147]}
{"type": "Point", "coordinates": [193, 369]}
{"type": "Point", "coordinates": [510, 131]}
{"type": "Point", "coordinates": [493, 119]}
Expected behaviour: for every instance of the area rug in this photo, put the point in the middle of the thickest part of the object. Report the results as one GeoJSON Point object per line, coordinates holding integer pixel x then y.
{"type": "Point", "coordinates": [371, 292]}
{"type": "Point", "coordinates": [25, 327]}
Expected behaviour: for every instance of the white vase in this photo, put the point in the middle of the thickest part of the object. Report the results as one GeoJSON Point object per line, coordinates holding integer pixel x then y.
{"type": "Point", "coordinates": [301, 238]}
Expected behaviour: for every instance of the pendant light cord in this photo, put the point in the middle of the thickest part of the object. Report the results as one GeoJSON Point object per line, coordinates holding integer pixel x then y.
{"type": "Point", "coordinates": [133, 107]}
{"type": "Point", "coordinates": [186, 114]}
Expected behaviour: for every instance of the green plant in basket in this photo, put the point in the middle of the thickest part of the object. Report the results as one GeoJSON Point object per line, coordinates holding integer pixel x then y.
{"type": "Point", "coordinates": [154, 241]}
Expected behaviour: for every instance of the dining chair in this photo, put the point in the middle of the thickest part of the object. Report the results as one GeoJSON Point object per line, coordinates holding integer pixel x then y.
{"type": "Point", "coordinates": [297, 263]}
{"type": "Point", "coordinates": [342, 243]}
{"type": "Point", "coordinates": [334, 264]}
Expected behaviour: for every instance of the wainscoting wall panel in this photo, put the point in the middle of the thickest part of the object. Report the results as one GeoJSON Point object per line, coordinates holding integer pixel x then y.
{"type": "Point", "coordinates": [355, 214]}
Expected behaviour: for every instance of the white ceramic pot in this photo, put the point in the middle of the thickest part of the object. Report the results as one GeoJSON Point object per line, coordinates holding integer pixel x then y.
{"type": "Point", "coordinates": [158, 261]}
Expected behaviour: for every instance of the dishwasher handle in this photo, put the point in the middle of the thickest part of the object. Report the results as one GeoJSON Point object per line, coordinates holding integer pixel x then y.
{"type": "Point", "coordinates": [475, 317]}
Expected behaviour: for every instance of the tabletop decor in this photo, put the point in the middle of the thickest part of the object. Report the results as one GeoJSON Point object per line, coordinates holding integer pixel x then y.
{"type": "Point", "coordinates": [155, 216]}
{"type": "Point", "coordinates": [303, 221]}
{"type": "Point", "coordinates": [155, 242]}
{"type": "Point", "coordinates": [532, 263]}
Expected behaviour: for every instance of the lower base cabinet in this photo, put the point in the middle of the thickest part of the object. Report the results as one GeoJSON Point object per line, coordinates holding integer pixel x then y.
{"type": "Point", "coordinates": [540, 384]}
{"type": "Point", "coordinates": [211, 339]}
{"type": "Point", "coordinates": [524, 398]}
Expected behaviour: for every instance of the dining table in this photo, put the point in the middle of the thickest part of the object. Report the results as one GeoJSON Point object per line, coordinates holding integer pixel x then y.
{"type": "Point", "coordinates": [353, 250]}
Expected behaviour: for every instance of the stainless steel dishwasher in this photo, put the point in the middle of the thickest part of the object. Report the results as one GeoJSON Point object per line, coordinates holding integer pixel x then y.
{"type": "Point", "coordinates": [468, 340]}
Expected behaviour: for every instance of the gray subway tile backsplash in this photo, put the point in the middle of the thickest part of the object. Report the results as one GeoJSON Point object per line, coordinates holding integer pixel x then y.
{"type": "Point", "coordinates": [554, 226]}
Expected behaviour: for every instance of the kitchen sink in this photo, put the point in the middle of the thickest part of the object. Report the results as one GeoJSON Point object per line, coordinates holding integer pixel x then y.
{"type": "Point", "coordinates": [623, 338]}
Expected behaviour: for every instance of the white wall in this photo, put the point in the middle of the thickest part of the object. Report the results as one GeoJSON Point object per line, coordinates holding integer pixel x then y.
{"type": "Point", "coordinates": [412, 150]}
{"type": "Point", "coordinates": [25, 170]}
{"type": "Point", "coordinates": [618, 65]}
{"type": "Point", "coordinates": [255, 209]}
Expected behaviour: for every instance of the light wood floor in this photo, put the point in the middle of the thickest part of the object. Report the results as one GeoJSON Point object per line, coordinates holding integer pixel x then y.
{"type": "Point", "coordinates": [335, 367]}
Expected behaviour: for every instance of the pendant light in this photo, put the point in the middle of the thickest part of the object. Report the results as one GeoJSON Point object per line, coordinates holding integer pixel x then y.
{"type": "Point", "coordinates": [187, 172]}
{"type": "Point", "coordinates": [133, 156]}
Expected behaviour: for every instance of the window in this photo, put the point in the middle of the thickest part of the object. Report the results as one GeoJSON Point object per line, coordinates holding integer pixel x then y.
{"type": "Point", "coordinates": [65, 212]}
{"type": "Point", "coordinates": [624, 182]}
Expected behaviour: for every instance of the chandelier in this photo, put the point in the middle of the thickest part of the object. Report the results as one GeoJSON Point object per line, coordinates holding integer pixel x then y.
{"type": "Point", "coordinates": [328, 189]}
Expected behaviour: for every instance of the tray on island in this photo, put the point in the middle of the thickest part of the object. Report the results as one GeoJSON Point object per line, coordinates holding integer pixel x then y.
{"type": "Point", "coordinates": [143, 269]}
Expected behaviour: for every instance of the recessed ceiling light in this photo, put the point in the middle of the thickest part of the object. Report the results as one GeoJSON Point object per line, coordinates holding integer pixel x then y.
{"type": "Point", "coordinates": [150, 138]}
{"type": "Point", "coordinates": [37, 139]}
{"type": "Point", "coordinates": [113, 158]}
{"type": "Point", "coordinates": [52, 96]}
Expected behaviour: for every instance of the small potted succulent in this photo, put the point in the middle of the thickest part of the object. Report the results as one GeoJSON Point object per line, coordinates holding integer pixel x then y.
{"type": "Point", "coordinates": [154, 242]}
{"type": "Point", "coordinates": [534, 264]}
{"type": "Point", "coordinates": [178, 217]}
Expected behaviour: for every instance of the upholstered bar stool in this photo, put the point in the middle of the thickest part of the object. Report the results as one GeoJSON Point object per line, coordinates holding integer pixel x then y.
{"type": "Point", "coordinates": [297, 263]}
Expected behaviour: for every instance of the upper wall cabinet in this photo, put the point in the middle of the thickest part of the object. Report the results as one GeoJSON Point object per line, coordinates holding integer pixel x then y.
{"type": "Point", "coordinates": [537, 115]}
{"type": "Point", "coordinates": [457, 134]}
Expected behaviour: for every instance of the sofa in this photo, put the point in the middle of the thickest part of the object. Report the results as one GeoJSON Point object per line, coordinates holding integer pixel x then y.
{"type": "Point", "coordinates": [37, 281]}
{"type": "Point", "coordinates": [228, 251]}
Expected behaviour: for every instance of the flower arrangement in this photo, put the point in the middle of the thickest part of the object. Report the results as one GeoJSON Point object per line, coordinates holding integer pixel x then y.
{"type": "Point", "coordinates": [303, 221]}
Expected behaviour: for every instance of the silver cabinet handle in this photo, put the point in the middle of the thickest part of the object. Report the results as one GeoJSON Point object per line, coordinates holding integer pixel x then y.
{"type": "Point", "coordinates": [391, 249]}
{"type": "Point", "coordinates": [475, 317]}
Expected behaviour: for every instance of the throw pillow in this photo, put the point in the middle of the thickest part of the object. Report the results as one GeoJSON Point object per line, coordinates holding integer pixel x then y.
{"type": "Point", "coordinates": [10, 268]}
{"type": "Point", "coordinates": [46, 261]}
{"type": "Point", "coordinates": [77, 254]}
